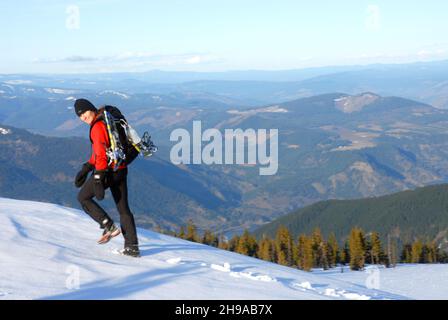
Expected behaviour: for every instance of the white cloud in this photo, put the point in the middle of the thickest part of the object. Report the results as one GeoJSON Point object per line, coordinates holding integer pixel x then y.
{"type": "Point", "coordinates": [136, 56]}
{"type": "Point", "coordinates": [426, 53]}
{"type": "Point", "coordinates": [66, 59]}
{"type": "Point", "coordinates": [131, 61]}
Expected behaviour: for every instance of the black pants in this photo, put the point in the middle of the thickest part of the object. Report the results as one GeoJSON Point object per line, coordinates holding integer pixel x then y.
{"type": "Point", "coordinates": [117, 182]}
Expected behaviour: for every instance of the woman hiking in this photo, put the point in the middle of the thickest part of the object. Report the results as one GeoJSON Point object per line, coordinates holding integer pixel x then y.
{"type": "Point", "coordinates": [104, 177]}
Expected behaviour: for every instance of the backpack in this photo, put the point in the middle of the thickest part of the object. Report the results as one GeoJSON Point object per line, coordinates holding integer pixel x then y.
{"type": "Point", "coordinates": [125, 143]}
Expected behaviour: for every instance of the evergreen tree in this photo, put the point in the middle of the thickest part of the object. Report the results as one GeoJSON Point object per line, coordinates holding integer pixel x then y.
{"type": "Point", "coordinates": [357, 249]}
{"type": "Point", "coordinates": [333, 250]}
{"type": "Point", "coordinates": [319, 250]}
{"type": "Point", "coordinates": [304, 253]}
{"type": "Point", "coordinates": [430, 252]}
{"type": "Point", "coordinates": [182, 233]}
{"type": "Point", "coordinates": [443, 256]}
{"type": "Point", "coordinates": [191, 232]}
{"type": "Point", "coordinates": [345, 253]}
{"type": "Point", "coordinates": [223, 243]}
{"type": "Point", "coordinates": [325, 255]}
{"type": "Point", "coordinates": [376, 252]}
{"type": "Point", "coordinates": [406, 253]}
{"type": "Point", "coordinates": [247, 244]}
{"type": "Point", "coordinates": [417, 251]}
{"type": "Point", "coordinates": [210, 239]}
{"type": "Point", "coordinates": [233, 243]}
{"type": "Point", "coordinates": [284, 247]}
{"type": "Point", "coordinates": [266, 249]}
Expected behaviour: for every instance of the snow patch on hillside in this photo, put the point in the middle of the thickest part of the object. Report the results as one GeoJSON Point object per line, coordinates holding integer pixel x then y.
{"type": "Point", "coordinates": [4, 131]}
{"type": "Point", "coordinates": [271, 109]}
{"type": "Point", "coordinates": [121, 95]}
{"type": "Point", "coordinates": [14, 82]}
{"type": "Point", "coordinates": [60, 91]}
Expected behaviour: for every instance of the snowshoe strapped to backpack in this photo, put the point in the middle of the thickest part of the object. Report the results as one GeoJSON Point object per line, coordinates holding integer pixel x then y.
{"type": "Point", "coordinates": [125, 144]}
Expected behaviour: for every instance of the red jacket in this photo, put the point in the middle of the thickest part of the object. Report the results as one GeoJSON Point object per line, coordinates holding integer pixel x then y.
{"type": "Point", "coordinates": [100, 142]}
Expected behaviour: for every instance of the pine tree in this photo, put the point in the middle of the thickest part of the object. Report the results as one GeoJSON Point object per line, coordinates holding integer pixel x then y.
{"type": "Point", "coordinates": [368, 252]}
{"type": "Point", "coordinates": [191, 232]}
{"type": "Point", "coordinates": [430, 252]}
{"type": "Point", "coordinates": [333, 250]}
{"type": "Point", "coordinates": [325, 254]}
{"type": "Point", "coordinates": [252, 245]}
{"type": "Point", "coordinates": [247, 244]}
{"type": "Point", "coordinates": [284, 247]}
{"type": "Point", "coordinates": [406, 253]}
{"type": "Point", "coordinates": [233, 243]}
{"type": "Point", "coordinates": [241, 246]}
{"type": "Point", "coordinates": [319, 250]}
{"type": "Point", "coordinates": [417, 251]}
{"type": "Point", "coordinates": [344, 253]}
{"type": "Point", "coordinates": [394, 250]}
{"type": "Point", "coordinates": [223, 243]}
{"type": "Point", "coordinates": [182, 233]}
{"type": "Point", "coordinates": [266, 249]}
{"type": "Point", "coordinates": [376, 252]}
{"type": "Point", "coordinates": [210, 239]}
{"type": "Point", "coordinates": [357, 249]}
{"type": "Point", "coordinates": [304, 253]}
{"type": "Point", "coordinates": [316, 240]}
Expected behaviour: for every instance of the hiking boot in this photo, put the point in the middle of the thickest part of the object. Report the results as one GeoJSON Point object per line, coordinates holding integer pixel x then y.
{"type": "Point", "coordinates": [131, 251]}
{"type": "Point", "coordinates": [109, 233]}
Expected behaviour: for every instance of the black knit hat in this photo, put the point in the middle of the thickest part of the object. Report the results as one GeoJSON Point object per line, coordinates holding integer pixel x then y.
{"type": "Point", "coordinates": [83, 105]}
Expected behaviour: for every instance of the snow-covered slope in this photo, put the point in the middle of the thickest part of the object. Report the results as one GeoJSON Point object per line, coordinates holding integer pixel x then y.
{"type": "Point", "coordinates": [50, 252]}
{"type": "Point", "coordinates": [416, 281]}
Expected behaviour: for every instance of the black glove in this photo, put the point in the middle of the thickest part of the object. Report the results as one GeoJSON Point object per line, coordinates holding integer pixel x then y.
{"type": "Point", "coordinates": [99, 178]}
{"type": "Point", "coordinates": [82, 174]}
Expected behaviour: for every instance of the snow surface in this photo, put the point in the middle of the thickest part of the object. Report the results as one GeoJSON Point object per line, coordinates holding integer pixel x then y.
{"type": "Point", "coordinates": [48, 251]}
{"type": "Point", "coordinates": [122, 95]}
{"type": "Point", "coordinates": [271, 109]}
{"type": "Point", "coordinates": [59, 91]}
{"type": "Point", "coordinates": [416, 281]}
{"type": "Point", "coordinates": [8, 86]}
{"type": "Point", "coordinates": [4, 131]}
{"type": "Point", "coordinates": [18, 82]}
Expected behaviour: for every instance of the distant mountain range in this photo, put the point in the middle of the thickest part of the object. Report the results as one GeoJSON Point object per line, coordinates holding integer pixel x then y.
{"type": "Point", "coordinates": [422, 81]}
{"type": "Point", "coordinates": [330, 146]}
{"type": "Point", "coordinates": [364, 138]}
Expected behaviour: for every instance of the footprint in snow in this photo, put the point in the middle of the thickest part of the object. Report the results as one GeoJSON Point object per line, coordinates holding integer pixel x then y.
{"type": "Point", "coordinates": [175, 261]}
{"type": "Point", "coordinates": [225, 268]}
{"type": "Point", "coordinates": [330, 292]}
{"type": "Point", "coordinates": [247, 275]}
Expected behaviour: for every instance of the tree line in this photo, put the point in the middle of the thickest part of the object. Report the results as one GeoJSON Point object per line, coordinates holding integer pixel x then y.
{"type": "Point", "coordinates": [314, 251]}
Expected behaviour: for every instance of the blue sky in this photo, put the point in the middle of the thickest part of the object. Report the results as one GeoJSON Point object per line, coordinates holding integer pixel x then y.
{"type": "Point", "coordinates": [49, 36]}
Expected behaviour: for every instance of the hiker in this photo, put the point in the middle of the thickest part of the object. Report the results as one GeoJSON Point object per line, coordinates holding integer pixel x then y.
{"type": "Point", "coordinates": [104, 177]}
